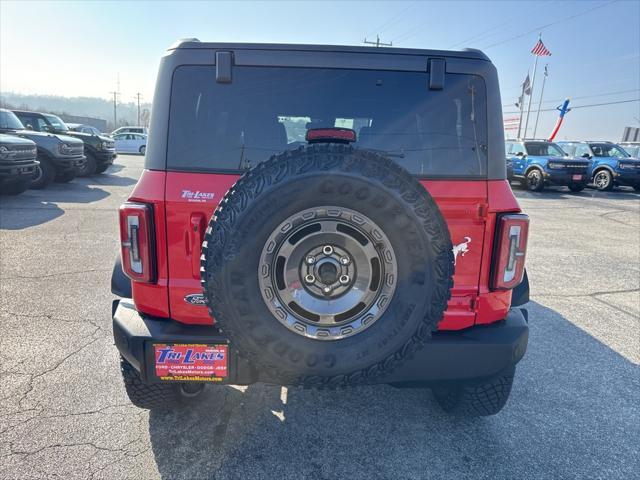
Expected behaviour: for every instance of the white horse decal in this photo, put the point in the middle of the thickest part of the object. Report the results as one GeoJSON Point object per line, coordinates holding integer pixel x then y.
{"type": "Point", "coordinates": [461, 249]}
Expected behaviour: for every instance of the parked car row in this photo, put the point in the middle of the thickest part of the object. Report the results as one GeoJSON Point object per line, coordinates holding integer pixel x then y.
{"type": "Point", "coordinates": [39, 148]}
{"type": "Point", "coordinates": [575, 164]}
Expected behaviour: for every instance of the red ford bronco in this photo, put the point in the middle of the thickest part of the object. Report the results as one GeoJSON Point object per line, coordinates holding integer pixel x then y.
{"type": "Point", "coordinates": [322, 216]}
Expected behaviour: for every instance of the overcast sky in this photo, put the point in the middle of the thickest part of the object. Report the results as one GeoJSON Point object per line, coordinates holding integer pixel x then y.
{"type": "Point", "coordinates": [79, 48]}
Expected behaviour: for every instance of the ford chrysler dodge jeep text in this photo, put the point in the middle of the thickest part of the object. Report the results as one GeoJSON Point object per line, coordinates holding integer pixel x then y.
{"type": "Point", "coordinates": [99, 150]}
{"type": "Point", "coordinates": [322, 216]}
{"type": "Point", "coordinates": [540, 163]}
{"type": "Point", "coordinates": [59, 156]}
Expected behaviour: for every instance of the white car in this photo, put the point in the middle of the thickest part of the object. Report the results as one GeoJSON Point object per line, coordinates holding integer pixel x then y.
{"type": "Point", "coordinates": [130, 143]}
{"type": "Point", "coordinates": [131, 129]}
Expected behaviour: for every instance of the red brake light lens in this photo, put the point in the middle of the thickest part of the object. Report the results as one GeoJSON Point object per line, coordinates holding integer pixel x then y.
{"type": "Point", "coordinates": [136, 240]}
{"type": "Point", "coordinates": [510, 253]}
{"type": "Point", "coordinates": [337, 135]}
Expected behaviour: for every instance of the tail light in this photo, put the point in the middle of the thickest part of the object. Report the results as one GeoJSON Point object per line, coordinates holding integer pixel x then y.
{"type": "Point", "coordinates": [510, 253]}
{"type": "Point", "coordinates": [136, 240]}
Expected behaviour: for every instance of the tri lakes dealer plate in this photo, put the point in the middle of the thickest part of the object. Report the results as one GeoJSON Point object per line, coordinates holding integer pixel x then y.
{"type": "Point", "coordinates": [183, 362]}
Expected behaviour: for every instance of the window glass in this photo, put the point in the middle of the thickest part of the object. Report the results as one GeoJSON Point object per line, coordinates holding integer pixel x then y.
{"type": "Point", "coordinates": [544, 149]}
{"type": "Point", "coordinates": [607, 150]}
{"type": "Point", "coordinates": [9, 121]}
{"type": "Point", "coordinates": [517, 148]}
{"type": "Point", "coordinates": [581, 150]}
{"type": "Point", "coordinates": [265, 110]}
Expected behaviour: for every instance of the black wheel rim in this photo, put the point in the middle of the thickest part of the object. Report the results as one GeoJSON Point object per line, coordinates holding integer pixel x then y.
{"type": "Point", "coordinates": [327, 273]}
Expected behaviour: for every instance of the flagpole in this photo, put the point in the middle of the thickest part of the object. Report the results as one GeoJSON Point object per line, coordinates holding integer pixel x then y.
{"type": "Point", "coordinates": [533, 82]}
{"type": "Point", "coordinates": [544, 80]}
{"type": "Point", "coordinates": [521, 102]}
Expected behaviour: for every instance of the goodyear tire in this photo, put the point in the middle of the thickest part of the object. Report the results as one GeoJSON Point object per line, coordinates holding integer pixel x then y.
{"type": "Point", "coordinates": [327, 266]}
{"type": "Point", "coordinates": [157, 395]}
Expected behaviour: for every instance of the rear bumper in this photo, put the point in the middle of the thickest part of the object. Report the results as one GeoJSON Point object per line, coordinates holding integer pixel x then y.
{"type": "Point", "coordinates": [475, 353]}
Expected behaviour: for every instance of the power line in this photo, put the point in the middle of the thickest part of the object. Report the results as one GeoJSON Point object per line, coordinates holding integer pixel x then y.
{"type": "Point", "coordinates": [542, 27]}
{"type": "Point", "coordinates": [586, 96]}
{"type": "Point", "coordinates": [393, 20]}
{"type": "Point", "coordinates": [583, 106]}
{"type": "Point", "coordinates": [486, 33]}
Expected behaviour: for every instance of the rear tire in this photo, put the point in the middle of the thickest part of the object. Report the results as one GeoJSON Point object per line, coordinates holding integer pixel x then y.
{"type": "Point", "coordinates": [16, 187]}
{"type": "Point", "coordinates": [44, 174]}
{"type": "Point", "coordinates": [89, 167]}
{"type": "Point", "coordinates": [143, 150]}
{"type": "Point", "coordinates": [603, 180]}
{"type": "Point", "coordinates": [66, 177]}
{"type": "Point", "coordinates": [535, 180]}
{"type": "Point", "coordinates": [476, 400]}
{"type": "Point", "coordinates": [157, 395]}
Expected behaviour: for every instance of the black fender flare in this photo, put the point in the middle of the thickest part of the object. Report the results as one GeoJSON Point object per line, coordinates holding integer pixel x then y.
{"type": "Point", "coordinates": [532, 167]}
{"type": "Point", "coordinates": [603, 167]}
{"type": "Point", "coordinates": [520, 294]}
{"type": "Point", "coordinates": [120, 283]}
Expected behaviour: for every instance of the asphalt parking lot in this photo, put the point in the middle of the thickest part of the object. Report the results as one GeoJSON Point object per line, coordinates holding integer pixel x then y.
{"type": "Point", "coordinates": [574, 411]}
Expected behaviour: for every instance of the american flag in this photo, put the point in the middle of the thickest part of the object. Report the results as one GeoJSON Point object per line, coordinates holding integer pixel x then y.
{"type": "Point", "coordinates": [540, 50]}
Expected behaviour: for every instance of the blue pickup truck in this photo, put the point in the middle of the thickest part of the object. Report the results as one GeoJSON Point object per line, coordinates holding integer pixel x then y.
{"type": "Point", "coordinates": [538, 163]}
{"type": "Point", "coordinates": [610, 164]}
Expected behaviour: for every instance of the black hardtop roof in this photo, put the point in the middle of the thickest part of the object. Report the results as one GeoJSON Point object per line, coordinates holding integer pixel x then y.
{"type": "Point", "coordinates": [193, 43]}
{"type": "Point", "coordinates": [32, 112]}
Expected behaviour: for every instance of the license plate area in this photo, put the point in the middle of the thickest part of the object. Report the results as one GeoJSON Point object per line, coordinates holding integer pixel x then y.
{"type": "Point", "coordinates": [190, 362]}
{"type": "Point", "coordinates": [577, 177]}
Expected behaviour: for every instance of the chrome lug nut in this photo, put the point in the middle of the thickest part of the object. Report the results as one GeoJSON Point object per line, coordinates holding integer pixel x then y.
{"type": "Point", "coordinates": [344, 279]}
{"type": "Point", "coordinates": [345, 260]}
{"type": "Point", "coordinates": [310, 279]}
{"type": "Point", "coordinates": [311, 260]}
{"type": "Point", "coordinates": [327, 249]}
{"type": "Point", "coordinates": [327, 290]}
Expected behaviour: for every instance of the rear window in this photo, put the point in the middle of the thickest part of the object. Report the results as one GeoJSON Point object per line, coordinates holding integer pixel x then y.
{"type": "Point", "coordinates": [227, 127]}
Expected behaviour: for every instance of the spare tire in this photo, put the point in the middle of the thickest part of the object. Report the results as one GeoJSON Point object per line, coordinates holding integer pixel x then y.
{"type": "Point", "coordinates": [327, 266]}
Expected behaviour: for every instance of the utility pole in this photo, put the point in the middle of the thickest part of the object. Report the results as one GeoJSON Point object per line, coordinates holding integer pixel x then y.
{"type": "Point", "coordinates": [138, 95]}
{"type": "Point", "coordinates": [377, 43]}
{"type": "Point", "coordinates": [116, 94]}
{"type": "Point", "coordinates": [115, 109]}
